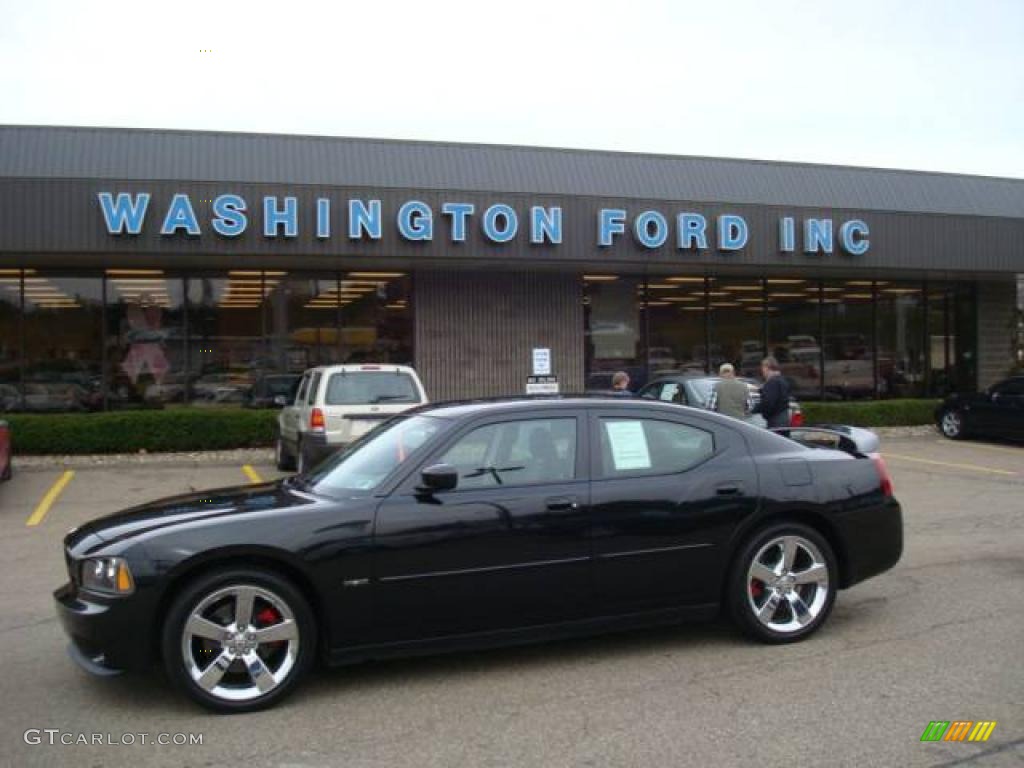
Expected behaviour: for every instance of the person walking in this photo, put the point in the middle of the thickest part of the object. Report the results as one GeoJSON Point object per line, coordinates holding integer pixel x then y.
{"type": "Point", "coordinates": [774, 403]}
{"type": "Point", "coordinates": [730, 397]}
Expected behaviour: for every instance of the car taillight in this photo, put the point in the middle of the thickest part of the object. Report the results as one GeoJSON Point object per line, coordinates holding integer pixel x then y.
{"type": "Point", "coordinates": [796, 419]}
{"type": "Point", "coordinates": [316, 420]}
{"type": "Point", "coordinates": [883, 473]}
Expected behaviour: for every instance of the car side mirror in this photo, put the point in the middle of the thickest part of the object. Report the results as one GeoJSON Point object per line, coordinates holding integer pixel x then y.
{"type": "Point", "coordinates": [439, 477]}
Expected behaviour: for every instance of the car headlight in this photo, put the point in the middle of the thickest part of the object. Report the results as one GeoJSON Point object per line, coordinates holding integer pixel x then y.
{"type": "Point", "coordinates": [110, 575]}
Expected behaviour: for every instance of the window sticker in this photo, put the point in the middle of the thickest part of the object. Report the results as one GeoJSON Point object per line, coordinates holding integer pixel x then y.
{"type": "Point", "coordinates": [629, 445]}
{"type": "Point", "coordinates": [669, 392]}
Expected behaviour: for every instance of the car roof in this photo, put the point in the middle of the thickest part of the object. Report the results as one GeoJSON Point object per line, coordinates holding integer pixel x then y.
{"type": "Point", "coordinates": [363, 368]}
{"type": "Point", "coordinates": [457, 409]}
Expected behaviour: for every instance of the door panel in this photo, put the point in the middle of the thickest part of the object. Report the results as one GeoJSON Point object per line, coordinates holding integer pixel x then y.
{"type": "Point", "coordinates": [488, 555]}
{"type": "Point", "coordinates": [658, 535]}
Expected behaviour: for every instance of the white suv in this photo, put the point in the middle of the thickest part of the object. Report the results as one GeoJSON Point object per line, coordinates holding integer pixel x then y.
{"type": "Point", "coordinates": [336, 404]}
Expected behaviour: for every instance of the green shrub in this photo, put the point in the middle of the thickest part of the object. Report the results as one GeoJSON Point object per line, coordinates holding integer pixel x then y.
{"type": "Point", "coordinates": [879, 413]}
{"type": "Point", "coordinates": [172, 429]}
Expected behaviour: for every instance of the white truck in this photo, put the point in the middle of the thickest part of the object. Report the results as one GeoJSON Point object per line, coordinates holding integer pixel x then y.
{"type": "Point", "coordinates": [336, 404]}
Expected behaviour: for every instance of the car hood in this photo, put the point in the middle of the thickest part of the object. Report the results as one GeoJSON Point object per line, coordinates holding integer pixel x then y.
{"type": "Point", "coordinates": [164, 513]}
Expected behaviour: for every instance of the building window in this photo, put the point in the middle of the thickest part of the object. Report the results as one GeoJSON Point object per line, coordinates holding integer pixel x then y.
{"type": "Point", "coordinates": [10, 340]}
{"type": "Point", "coordinates": [901, 339]}
{"type": "Point", "coordinates": [301, 318]}
{"type": "Point", "coordinates": [375, 319]}
{"type": "Point", "coordinates": [736, 315]}
{"type": "Point", "coordinates": [63, 367]}
{"type": "Point", "coordinates": [846, 308]}
{"type": "Point", "coordinates": [145, 338]}
{"type": "Point", "coordinates": [612, 308]}
{"type": "Point", "coordinates": [793, 309]}
{"type": "Point", "coordinates": [676, 324]}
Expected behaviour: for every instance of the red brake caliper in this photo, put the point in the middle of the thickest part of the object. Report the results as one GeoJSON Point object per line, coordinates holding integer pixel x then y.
{"type": "Point", "coordinates": [756, 588]}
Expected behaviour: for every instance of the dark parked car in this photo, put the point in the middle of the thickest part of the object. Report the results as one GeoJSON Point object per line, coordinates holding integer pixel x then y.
{"type": "Point", "coordinates": [482, 523]}
{"type": "Point", "coordinates": [5, 451]}
{"type": "Point", "coordinates": [996, 412]}
{"type": "Point", "coordinates": [273, 391]}
{"type": "Point", "coordinates": [695, 390]}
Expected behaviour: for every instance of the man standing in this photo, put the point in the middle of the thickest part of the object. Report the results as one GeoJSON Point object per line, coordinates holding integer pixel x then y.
{"type": "Point", "coordinates": [774, 405]}
{"type": "Point", "coordinates": [730, 397]}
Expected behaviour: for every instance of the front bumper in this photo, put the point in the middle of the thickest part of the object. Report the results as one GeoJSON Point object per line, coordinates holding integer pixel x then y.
{"type": "Point", "coordinates": [105, 633]}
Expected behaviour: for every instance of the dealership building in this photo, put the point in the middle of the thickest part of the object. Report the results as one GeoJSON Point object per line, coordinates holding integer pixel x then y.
{"type": "Point", "coordinates": [143, 267]}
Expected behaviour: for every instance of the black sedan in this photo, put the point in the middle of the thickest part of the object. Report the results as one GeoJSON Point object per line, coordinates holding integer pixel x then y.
{"type": "Point", "coordinates": [996, 412]}
{"type": "Point", "coordinates": [477, 524]}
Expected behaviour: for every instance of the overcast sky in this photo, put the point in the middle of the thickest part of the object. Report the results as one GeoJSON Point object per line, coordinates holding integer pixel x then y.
{"type": "Point", "coordinates": [921, 84]}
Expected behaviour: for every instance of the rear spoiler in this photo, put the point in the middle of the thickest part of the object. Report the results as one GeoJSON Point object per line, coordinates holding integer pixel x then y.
{"type": "Point", "coordinates": [858, 442]}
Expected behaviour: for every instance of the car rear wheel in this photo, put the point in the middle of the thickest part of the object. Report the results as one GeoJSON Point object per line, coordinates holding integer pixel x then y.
{"type": "Point", "coordinates": [238, 640]}
{"type": "Point", "coordinates": [301, 462]}
{"type": "Point", "coordinates": [952, 424]}
{"type": "Point", "coordinates": [282, 457]}
{"type": "Point", "coordinates": [783, 583]}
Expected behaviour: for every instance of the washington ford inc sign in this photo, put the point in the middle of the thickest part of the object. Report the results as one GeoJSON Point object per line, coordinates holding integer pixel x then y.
{"type": "Point", "coordinates": [364, 219]}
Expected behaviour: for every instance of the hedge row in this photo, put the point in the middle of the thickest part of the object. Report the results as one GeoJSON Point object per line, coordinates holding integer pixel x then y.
{"type": "Point", "coordinates": [880, 413]}
{"type": "Point", "coordinates": [206, 429]}
{"type": "Point", "coordinates": [172, 429]}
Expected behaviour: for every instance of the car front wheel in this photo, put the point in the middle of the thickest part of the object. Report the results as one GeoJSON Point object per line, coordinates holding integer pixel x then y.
{"type": "Point", "coordinates": [238, 640]}
{"type": "Point", "coordinates": [952, 424]}
{"type": "Point", "coordinates": [783, 583]}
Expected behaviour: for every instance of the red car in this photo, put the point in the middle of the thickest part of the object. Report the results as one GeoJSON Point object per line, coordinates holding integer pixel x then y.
{"type": "Point", "coordinates": [5, 451]}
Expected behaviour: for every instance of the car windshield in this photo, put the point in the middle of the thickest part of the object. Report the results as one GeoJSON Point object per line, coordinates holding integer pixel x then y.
{"type": "Point", "coordinates": [365, 388]}
{"type": "Point", "coordinates": [365, 464]}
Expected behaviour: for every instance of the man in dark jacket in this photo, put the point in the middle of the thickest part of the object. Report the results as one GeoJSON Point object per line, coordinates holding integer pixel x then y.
{"type": "Point", "coordinates": [774, 405]}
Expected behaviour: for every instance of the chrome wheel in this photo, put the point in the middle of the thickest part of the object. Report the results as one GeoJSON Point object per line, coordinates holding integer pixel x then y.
{"type": "Point", "coordinates": [240, 642]}
{"type": "Point", "coordinates": [952, 424]}
{"type": "Point", "coordinates": [787, 584]}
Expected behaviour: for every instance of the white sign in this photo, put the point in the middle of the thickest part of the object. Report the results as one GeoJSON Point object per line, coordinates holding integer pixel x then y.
{"type": "Point", "coordinates": [629, 445]}
{"type": "Point", "coordinates": [541, 361]}
{"type": "Point", "coordinates": [542, 385]}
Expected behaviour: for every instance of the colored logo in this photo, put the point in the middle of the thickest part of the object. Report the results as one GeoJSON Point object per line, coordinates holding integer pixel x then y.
{"type": "Point", "coordinates": [958, 730]}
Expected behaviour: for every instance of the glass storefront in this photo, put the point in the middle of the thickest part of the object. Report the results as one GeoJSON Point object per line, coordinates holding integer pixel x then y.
{"type": "Point", "coordinates": [834, 339]}
{"type": "Point", "coordinates": [144, 338]}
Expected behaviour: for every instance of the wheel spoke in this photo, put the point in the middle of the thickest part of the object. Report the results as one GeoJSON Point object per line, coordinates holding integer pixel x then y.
{"type": "Point", "coordinates": [788, 553]}
{"type": "Point", "coordinates": [261, 677]}
{"type": "Point", "coordinates": [799, 607]}
{"type": "Point", "coordinates": [200, 627]}
{"type": "Point", "coordinates": [283, 630]}
{"type": "Point", "coordinates": [762, 572]}
{"type": "Point", "coordinates": [767, 611]}
{"type": "Point", "coordinates": [244, 599]}
{"type": "Point", "coordinates": [212, 674]}
{"type": "Point", "coordinates": [816, 574]}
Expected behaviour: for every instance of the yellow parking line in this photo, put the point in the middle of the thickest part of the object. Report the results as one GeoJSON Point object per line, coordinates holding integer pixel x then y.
{"type": "Point", "coordinates": [252, 474]}
{"type": "Point", "coordinates": [51, 496]}
{"type": "Point", "coordinates": [971, 467]}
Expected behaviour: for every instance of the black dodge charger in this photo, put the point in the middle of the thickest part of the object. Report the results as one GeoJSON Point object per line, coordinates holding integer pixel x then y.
{"type": "Point", "coordinates": [482, 523]}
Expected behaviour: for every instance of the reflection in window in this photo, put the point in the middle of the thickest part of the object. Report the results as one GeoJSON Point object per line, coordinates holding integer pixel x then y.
{"type": "Point", "coordinates": [676, 323]}
{"type": "Point", "coordinates": [951, 334]}
{"type": "Point", "coordinates": [63, 342]}
{"type": "Point", "coordinates": [302, 322]}
{"type": "Point", "coordinates": [515, 453]}
{"type": "Point", "coordinates": [849, 356]}
{"type": "Point", "coordinates": [612, 329]}
{"type": "Point", "coordinates": [376, 318]}
{"type": "Point", "coordinates": [900, 339]}
{"type": "Point", "coordinates": [10, 340]}
{"type": "Point", "coordinates": [792, 307]}
{"type": "Point", "coordinates": [737, 308]}
{"type": "Point", "coordinates": [145, 338]}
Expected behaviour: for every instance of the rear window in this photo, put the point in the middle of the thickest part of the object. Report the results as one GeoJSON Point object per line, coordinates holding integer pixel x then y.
{"type": "Point", "coordinates": [365, 388]}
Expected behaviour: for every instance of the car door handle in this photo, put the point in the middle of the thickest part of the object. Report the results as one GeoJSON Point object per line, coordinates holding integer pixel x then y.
{"type": "Point", "coordinates": [559, 503]}
{"type": "Point", "coordinates": [729, 490]}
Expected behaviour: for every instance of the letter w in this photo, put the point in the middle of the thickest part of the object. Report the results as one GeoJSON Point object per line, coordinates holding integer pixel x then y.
{"type": "Point", "coordinates": [124, 214]}
{"type": "Point", "coordinates": [935, 730]}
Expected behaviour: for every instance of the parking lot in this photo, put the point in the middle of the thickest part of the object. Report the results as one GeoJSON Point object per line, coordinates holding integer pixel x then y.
{"type": "Point", "coordinates": [941, 637]}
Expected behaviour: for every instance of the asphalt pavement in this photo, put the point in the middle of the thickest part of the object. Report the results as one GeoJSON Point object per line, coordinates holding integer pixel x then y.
{"type": "Point", "coordinates": [940, 637]}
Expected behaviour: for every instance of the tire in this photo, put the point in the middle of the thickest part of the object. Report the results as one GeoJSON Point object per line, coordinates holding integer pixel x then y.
{"type": "Point", "coordinates": [301, 462]}
{"type": "Point", "coordinates": [284, 460]}
{"type": "Point", "coordinates": [802, 592]}
{"type": "Point", "coordinates": [202, 624]}
{"type": "Point", "coordinates": [951, 424]}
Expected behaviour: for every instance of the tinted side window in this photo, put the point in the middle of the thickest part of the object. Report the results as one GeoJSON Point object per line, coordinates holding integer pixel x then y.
{"type": "Point", "coordinates": [1011, 387]}
{"type": "Point", "coordinates": [300, 397]}
{"type": "Point", "coordinates": [650, 447]}
{"type": "Point", "coordinates": [314, 386]}
{"type": "Point", "coordinates": [515, 453]}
